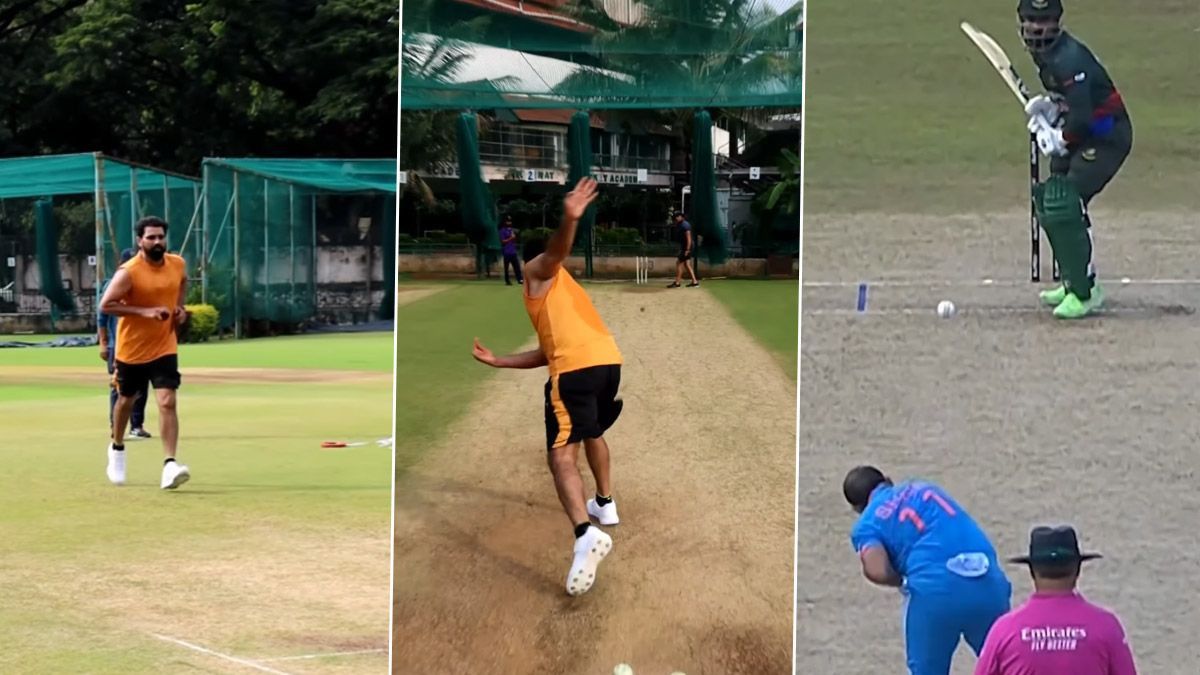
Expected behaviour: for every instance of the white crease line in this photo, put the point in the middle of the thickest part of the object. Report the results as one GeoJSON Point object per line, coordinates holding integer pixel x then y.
{"type": "Point", "coordinates": [245, 662]}
{"type": "Point", "coordinates": [321, 656]}
{"type": "Point", "coordinates": [911, 311]}
{"type": "Point", "coordinates": [1008, 283]}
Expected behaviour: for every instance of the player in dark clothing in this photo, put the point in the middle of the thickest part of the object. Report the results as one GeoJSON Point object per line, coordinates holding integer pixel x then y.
{"type": "Point", "coordinates": [1083, 126]}
{"type": "Point", "coordinates": [687, 252]}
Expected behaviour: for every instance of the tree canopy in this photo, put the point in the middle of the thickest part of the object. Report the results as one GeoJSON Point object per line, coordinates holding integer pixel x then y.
{"type": "Point", "coordinates": [168, 82]}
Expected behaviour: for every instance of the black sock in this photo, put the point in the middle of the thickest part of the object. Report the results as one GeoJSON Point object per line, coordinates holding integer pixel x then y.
{"type": "Point", "coordinates": [581, 529]}
{"type": "Point", "coordinates": [603, 501]}
{"type": "Point", "coordinates": [168, 460]}
{"type": "Point", "coordinates": [118, 448]}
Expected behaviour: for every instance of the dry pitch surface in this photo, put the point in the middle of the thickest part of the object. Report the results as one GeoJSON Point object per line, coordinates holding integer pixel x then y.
{"type": "Point", "coordinates": [1024, 419]}
{"type": "Point", "coordinates": [700, 577]}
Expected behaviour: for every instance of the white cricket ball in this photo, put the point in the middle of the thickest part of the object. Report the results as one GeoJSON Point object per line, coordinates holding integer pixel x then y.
{"type": "Point", "coordinates": [623, 669]}
{"type": "Point", "coordinates": [945, 309]}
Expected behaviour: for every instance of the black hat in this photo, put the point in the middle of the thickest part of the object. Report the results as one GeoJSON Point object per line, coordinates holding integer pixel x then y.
{"type": "Point", "coordinates": [1053, 545]}
{"type": "Point", "coordinates": [127, 255]}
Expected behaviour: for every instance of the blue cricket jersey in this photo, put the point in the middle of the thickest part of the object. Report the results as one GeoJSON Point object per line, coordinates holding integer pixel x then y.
{"type": "Point", "coordinates": [922, 529]}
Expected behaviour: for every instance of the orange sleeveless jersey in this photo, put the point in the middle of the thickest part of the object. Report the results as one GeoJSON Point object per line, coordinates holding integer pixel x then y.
{"type": "Point", "coordinates": [569, 329]}
{"type": "Point", "coordinates": [142, 340]}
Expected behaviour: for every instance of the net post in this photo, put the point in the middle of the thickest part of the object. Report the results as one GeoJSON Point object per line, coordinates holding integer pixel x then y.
{"type": "Point", "coordinates": [98, 199]}
{"type": "Point", "coordinates": [204, 243]}
{"type": "Point", "coordinates": [166, 215]}
{"type": "Point", "coordinates": [267, 246]}
{"type": "Point", "coordinates": [312, 263]}
{"type": "Point", "coordinates": [135, 204]}
{"type": "Point", "coordinates": [292, 241]}
{"type": "Point", "coordinates": [237, 255]}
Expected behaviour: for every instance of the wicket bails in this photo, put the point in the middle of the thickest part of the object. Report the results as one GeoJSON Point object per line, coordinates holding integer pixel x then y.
{"type": "Point", "coordinates": [1035, 226]}
{"type": "Point", "coordinates": [643, 269]}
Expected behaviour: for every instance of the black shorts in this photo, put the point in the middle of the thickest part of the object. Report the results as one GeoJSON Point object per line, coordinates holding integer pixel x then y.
{"type": "Point", "coordinates": [581, 404]}
{"type": "Point", "coordinates": [132, 378]}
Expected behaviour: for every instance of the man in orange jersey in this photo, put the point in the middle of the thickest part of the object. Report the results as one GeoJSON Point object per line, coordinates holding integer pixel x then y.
{"type": "Point", "coordinates": [581, 394]}
{"type": "Point", "coordinates": [147, 294]}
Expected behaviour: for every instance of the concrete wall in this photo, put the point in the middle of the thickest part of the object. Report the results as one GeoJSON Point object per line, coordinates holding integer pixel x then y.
{"type": "Point", "coordinates": [16, 324]}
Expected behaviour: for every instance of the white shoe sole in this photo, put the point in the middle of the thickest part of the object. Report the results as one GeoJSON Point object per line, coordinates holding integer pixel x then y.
{"type": "Point", "coordinates": [179, 479]}
{"type": "Point", "coordinates": [115, 481]}
{"type": "Point", "coordinates": [583, 569]}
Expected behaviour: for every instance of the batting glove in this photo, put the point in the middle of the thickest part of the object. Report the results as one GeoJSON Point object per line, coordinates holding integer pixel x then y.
{"type": "Point", "coordinates": [1049, 139]}
{"type": "Point", "coordinates": [1042, 106]}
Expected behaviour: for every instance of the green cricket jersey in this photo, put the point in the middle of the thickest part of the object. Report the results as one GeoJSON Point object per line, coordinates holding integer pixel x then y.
{"type": "Point", "coordinates": [1094, 105]}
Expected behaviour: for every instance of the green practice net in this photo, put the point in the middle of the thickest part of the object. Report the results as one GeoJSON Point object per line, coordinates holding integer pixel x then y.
{"type": "Point", "coordinates": [706, 215]}
{"type": "Point", "coordinates": [478, 207]}
{"type": "Point", "coordinates": [47, 249]}
{"type": "Point", "coordinates": [260, 233]}
{"type": "Point", "coordinates": [114, 194]}
{"type": "Point", "coordinates": [595, 54]}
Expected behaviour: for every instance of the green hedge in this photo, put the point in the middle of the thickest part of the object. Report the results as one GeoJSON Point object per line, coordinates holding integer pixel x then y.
{"type": "Point", "coordinates": [202, 323]}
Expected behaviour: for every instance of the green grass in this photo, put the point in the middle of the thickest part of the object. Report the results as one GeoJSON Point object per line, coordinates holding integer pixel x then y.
{"type": "Point", "coordinates": [260, 483]}
{"type": "Point", "coordinates": [768, 310]}
{"type": "Point", "coordinates": [341, 351]}
{"type": "Point", "coordinates": [436, 378]}
{"type": "Point", "coordinates": [904, 114]}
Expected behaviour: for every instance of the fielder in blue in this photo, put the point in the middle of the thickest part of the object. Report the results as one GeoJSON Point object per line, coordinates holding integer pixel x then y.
{"type": "Point", "coordinates": [915, 537]}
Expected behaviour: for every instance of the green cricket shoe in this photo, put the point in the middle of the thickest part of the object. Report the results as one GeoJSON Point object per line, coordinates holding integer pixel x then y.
{"type": "Point", "coordinates": [1073, 308]}
{"type": "Point", "coordinates": [1054, 297]}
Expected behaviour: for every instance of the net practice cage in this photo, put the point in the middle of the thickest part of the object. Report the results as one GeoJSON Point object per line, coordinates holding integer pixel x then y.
{"type": "Point", "coordinates": [595, 54]}
{"type": "Point", "coordinates": [119, 191]}
{"type": "Point", "coordinates": [259, 241]}
{"type": "Point", "coordinates": [586, 55]}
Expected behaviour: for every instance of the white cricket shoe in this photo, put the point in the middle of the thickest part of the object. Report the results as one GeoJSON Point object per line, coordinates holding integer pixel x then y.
{"type": "Point", "coordinates": [116, 466]}
{"type": "Point", "coordinates": [590, 549]}
{"type": "Point", "coordinates": [605, 515]}
{"type": "Point", "coordinates": [174, 474]}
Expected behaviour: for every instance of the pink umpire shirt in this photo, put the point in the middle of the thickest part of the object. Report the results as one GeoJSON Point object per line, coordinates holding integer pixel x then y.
{"type": "Point", "coordinates": [1055, 634]}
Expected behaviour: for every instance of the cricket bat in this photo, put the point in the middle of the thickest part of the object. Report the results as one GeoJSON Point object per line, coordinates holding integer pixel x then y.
{"type": "Point", "coordinates": [999, 60]}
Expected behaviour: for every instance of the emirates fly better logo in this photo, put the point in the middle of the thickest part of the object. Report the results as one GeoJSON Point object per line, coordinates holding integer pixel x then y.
{"type": "Point", "coordinates": [1053, 638]}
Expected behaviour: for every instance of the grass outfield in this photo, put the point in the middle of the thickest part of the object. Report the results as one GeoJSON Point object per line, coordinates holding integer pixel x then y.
{"type": "Point", "coordinates": [275, 548]}
{"type": "Point", "coordinates": [437, 379]}
{"type": "Point", "coordinates": [904, 114]}
{"type": "Point", "coordinates": [768, 310]}
{"type": "Point", "coordinates": [338, 351]}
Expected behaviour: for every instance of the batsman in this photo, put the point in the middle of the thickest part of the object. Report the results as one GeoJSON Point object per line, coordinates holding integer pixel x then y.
{"type": "Point", "coordinates": [1082, 125]}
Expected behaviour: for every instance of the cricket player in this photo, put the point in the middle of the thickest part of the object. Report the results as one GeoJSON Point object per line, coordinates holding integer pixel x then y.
{"type": "Point", "coordinates": [147, 294]}
{"type": "Point", "coordinates": [1083, 126]}
{"type": "Point", "coordinates": [581, 394]}
{"type": "Point", "coordinates": [915, 537]}
{"type": "Point", "coordinates": [687, 248]}
{"type": "Point", "coordinates": [508, 240]}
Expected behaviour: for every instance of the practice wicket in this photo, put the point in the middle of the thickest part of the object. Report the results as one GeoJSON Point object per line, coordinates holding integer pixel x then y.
{"type": "Point", "coordinates": [643, 269]}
